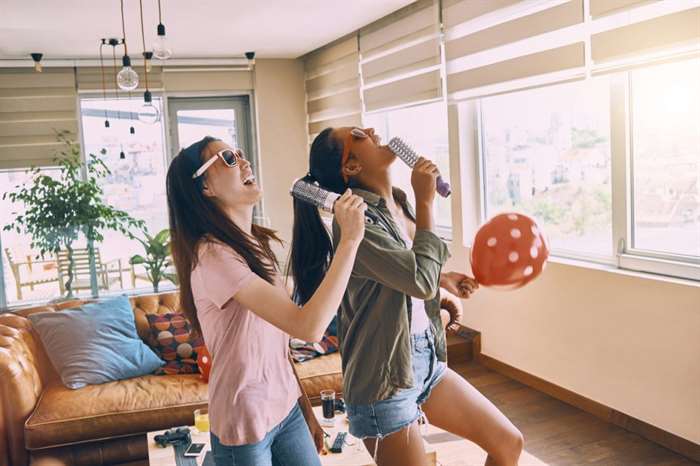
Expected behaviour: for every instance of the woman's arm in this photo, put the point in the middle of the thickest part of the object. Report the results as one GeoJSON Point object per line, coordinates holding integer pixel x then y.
{"type": "Point", "coordinates": [308, 322]}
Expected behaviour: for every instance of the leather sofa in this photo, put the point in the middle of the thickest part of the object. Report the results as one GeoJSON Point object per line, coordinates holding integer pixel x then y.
{"type": "Point", "coordinates": [43, 422]}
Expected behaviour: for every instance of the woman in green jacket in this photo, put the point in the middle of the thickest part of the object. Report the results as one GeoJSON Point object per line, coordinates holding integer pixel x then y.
{"type": "Point", "coordinates": [391, 339]}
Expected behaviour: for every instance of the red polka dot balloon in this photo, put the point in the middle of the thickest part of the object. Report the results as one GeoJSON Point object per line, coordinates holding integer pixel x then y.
{"type": "Point", "coordinates": [509, 251]}
{"type": "Point", "coordinates": [204, 363]}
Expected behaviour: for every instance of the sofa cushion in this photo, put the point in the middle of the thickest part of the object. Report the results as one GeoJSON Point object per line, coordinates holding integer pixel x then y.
{"type": "Point", "coordinates": [176, 342]}
{"type": "Point", "coordinates": [95, 343]}
{"type": "Point", "coordinates": [114, 409]}
{"type": "Point", "coordinates": [321, 373]}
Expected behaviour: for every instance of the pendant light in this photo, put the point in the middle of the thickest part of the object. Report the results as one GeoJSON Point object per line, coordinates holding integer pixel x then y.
{"type": "Point", "coordinates": [127, 78]}
{"type": "Point", "coordinates": [161, 49]}
{"type": "Point", "coordinates": [148, 113]}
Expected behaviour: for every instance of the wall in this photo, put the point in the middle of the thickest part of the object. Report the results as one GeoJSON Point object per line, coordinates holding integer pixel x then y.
{"type": "Point", "coordinates": [629, 341]}
{"type": "Point", "coordinates": [282, 139]}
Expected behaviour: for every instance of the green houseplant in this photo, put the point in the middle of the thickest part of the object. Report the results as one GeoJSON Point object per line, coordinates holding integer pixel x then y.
{"type": "Point", "coordinates": [58, 211]}
{"type": "Point", "coordinates": [157, 257]}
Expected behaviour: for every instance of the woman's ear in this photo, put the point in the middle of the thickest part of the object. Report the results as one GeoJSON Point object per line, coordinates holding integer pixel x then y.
{"type": "Point", "coordinates": [352, 167]}
{"type": "Point", "coordinates": [206, 190]}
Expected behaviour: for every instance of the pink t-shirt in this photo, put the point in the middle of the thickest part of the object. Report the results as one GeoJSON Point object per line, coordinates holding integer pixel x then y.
{"type": "Point", "coordinates": [252, 387]}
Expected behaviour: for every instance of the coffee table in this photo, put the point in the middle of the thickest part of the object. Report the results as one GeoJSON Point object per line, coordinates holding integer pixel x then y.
{"type": "Point", "coordinates": [158, 456]}
{"type": "Point", "coordinates": [354, 452]}
{"type": "Point", "coordinates": [448, 448]}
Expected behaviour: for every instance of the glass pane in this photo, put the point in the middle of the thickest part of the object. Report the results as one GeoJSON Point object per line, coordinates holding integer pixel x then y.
{"type": "Point", "coordinates": [193, 125]}
{"type": "Point", "coordinates": [136, 183]}
{"type": "Point", "coordinates": [28, 278]}
{"type": "Point", "coordinates": [546, 153]}
{"type": "Point", "coordinates": [666, 158]}
{"type": "Point", "coordinates": [425, 129]}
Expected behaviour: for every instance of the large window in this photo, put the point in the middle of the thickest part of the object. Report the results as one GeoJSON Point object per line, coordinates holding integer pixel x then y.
{"type": "Point", "coordinates": [546, 153]}
{"type": "Point", "coordinates": [609, 165]}
{"type": "Point", "coordinates": [424, 127]}
{"type": "Point", "coordinates": [27, 277]}
{"type": "Point", "coordinates": [136, 184]}
{"type": "Point", "coordinates": [666, 159]}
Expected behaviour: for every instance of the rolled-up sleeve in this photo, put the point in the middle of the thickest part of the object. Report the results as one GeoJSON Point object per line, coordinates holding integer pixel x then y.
{"type": "Point", "coordinates": [415, 271]}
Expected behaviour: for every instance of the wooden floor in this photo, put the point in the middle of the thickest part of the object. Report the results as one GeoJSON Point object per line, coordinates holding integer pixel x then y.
{"type": "Point", "coordinates": [558, 434]}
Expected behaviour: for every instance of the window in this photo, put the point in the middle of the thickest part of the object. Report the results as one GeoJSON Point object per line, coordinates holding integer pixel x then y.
{"type": "Point", "coordinates": [27, 278]}
{"type": "Point", "coordinates": [546, 153]}
{"type": "Point", "coordinates": [665, 122]}
{"type": "Point", "coordinates": [424, 128]}
{"type": "Point", "coordinates": [136, 184]}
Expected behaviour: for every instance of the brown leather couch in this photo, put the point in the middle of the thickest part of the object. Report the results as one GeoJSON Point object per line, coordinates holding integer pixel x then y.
{"type": "Point", "coordinates": [40, 419]}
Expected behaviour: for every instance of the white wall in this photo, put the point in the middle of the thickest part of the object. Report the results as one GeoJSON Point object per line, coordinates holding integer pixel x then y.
{"type": "Point", "coordinates": [629, 341]}
{"type": "Point", "coordinates": [282, 137]}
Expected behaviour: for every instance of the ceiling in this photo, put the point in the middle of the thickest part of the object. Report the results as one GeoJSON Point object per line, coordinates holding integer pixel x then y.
{"type": "Point", "coordinates": [195, 28]}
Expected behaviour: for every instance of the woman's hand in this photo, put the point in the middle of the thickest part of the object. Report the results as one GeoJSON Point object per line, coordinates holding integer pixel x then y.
{"type": "Point", "coordinates": [458, 284]}
{"type": "Point", "coordinates": [317, 434]}
{"type": "Point", "coordinates": [423, 179]}
{"type": "Point", "coordinates": [453, 306]}
{"type": "Point", "coordinates": [349, 212]}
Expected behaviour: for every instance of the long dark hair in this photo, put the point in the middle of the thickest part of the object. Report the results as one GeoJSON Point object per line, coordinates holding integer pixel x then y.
{"type": "Point", "coordinates": [312, 248]}
{"type": "Point", "coordinates": [195, 218]}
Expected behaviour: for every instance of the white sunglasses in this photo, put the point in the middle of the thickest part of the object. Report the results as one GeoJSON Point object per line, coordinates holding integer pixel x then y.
{"type": "Point", "coordinates": [229, 157]}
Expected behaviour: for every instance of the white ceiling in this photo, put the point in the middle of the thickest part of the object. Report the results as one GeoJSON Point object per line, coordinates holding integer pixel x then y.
{"type": "Point", "coordinates": [195, 28]}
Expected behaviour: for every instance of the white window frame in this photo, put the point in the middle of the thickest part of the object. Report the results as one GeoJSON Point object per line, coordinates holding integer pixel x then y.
{"type": "Point", "coordinates": [622, 147]}
{"type": "Point", "coordinates": [624, 256]}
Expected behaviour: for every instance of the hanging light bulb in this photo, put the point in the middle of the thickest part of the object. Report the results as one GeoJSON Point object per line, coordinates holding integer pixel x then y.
{"type": "Point", "coordinates": [161, 50]}
{"type": "Point", "coordinates": [127, 78]}
{"type": "Point", "coordinates": [148, 113]}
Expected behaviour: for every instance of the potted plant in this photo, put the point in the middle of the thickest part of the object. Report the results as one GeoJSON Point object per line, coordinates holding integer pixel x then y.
{"type": "Point", "coordinates": [157, 257]}
{"type": "Point", "coordinates": [58, 211]}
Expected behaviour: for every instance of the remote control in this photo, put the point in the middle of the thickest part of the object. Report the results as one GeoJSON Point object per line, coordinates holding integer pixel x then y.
{"type": "Point", "coordinates": [338, 442]}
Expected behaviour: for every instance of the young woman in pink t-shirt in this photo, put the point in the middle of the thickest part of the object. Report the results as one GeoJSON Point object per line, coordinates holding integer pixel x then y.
{"type": "Point", "coordinates": [230, 289]}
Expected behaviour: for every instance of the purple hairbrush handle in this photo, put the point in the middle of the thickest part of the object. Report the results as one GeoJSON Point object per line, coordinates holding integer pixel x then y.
{"type": "Point", "coordinates": [443, 187]}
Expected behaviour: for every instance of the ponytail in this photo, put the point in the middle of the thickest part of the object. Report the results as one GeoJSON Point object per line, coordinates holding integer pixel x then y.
{"type": "Point", "coordinates": [312, 247]}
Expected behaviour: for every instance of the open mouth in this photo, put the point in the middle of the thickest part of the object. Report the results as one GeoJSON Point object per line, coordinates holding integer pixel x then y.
{"type": "Point", "coordinates": [249, 180]}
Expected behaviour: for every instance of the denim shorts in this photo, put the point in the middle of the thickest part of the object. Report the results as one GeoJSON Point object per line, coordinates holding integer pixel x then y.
{"type": "Point", "coordinates": [385, 417]}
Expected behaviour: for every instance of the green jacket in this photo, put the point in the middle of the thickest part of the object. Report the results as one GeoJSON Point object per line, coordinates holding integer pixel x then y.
{"type": "Point", "coordinates": [375, 314]}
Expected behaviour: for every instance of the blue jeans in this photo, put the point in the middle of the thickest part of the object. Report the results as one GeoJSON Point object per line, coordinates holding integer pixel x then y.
{"type": "Point", "coordinates": [287, 444]}
{"type": "Point", "coordinates": [402, 409]}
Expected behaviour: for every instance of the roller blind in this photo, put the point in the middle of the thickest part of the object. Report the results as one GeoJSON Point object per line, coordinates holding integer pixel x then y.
{"type": "Point", "coordinates": [401, 58]}
{"type": "Point", "coordinates": [652, 35]}
{"type": "Point", "coordinates": [604, 7]}
{"type": "Point", "coordinates": [33, 106]}
{"type": "Point", "coordinates": [332, 83]}
{"type": "Point", "coordinates": [484, 43]}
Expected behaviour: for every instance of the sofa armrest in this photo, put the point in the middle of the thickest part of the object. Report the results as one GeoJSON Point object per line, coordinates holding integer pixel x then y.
{"type": "Point", "coordinates": [24, 370]}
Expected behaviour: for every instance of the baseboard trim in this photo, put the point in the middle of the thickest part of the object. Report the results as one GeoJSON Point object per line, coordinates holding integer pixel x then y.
{"type": "Point", "coordinates": [644, 429]}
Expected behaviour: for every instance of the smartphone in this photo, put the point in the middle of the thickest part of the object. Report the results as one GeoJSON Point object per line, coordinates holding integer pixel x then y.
{"type": "Point", "coordinates": [195, 449]}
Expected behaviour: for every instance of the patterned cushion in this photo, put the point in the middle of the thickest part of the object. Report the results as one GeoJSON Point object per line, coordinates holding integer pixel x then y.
{"type": "Point", "coordinates": [176, 342]}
